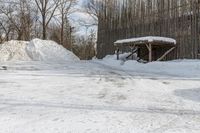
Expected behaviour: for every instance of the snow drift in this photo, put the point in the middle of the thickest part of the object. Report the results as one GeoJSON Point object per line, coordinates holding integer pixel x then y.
{"type": "Point", "coordinates": [14, 50]}
{"type": "Point", "coordinates": [175, 68]}
{"type": "Point", "coordinates": [43, 50]}
{"type": "Point", "coordinates": [35, 50]}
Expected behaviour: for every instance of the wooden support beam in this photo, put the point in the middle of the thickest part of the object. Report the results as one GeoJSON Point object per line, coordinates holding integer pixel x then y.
{"type": "Point", "coordinates": [133, 51]}
{"type": "Point", "coordinates": [165, 54]}
{"type": "Point", "coordinates": [150, 52]}
{"type": "Point", "coordinates": [149, 47]}
{"type": "Point", "coordinates": [117, 53]}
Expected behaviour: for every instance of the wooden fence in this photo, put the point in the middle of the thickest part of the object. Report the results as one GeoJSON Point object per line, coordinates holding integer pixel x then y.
{"type": "Point", "coordinates": [179, 19]}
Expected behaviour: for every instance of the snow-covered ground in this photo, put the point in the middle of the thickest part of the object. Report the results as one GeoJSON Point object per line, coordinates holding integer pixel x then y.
{"type": "Point", "coordinates": [99, 96]}
{"type": "Point", "coordinates": [173, 69]}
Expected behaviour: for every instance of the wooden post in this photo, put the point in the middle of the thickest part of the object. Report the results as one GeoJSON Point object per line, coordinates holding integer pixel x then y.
{"type": "Point", "coordinates": [149, 47]}
{"type": "Point", "coordinates": [117, 53]}
{"type": "Point", "coordinates": [165, 54]}
{"type": "Point", "coordinates": [132, 52]}
{"type": "Point", "coordinates": [150, 52]}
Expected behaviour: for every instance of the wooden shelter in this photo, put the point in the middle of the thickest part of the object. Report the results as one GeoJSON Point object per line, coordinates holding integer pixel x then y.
{"type": "Point", "coordinates": [150, 48]}
{"type": "Point", "coordinates": [178, 19]}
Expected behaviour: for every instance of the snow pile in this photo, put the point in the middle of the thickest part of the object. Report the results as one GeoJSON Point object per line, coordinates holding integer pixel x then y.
{"type": "Point", "coordinates": [148, 39]}
{"type": "Point", "coordinates": [176, 68]}
{"type": "Point", "coordinates": [14, 50]}
{"type": "Point", "coordinates": [43, 50]}
{"type": "Point", "coordinates": [35, 50]}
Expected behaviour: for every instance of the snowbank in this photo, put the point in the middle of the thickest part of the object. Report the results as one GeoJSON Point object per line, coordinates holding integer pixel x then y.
{"type": "Point", "coordinates": [43, 50]}
{"type": "Point", "coordinates": [14, 50]}
{"type": "Point", "coordinates": [35, 50]}
{"type": "Point", "coordinates": [176, 68]}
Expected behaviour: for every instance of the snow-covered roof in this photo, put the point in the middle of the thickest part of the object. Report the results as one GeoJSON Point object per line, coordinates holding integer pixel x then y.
{"type": "Point", "coordinates": [148, 39]}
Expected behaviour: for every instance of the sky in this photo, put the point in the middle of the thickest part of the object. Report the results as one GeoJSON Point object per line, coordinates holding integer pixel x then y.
{"type": "Point", "coordinates": [78, 18]}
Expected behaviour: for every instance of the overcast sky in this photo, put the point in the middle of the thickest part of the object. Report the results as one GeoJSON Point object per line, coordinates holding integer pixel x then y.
{"type": "Point", "coordinates": [78, 17]}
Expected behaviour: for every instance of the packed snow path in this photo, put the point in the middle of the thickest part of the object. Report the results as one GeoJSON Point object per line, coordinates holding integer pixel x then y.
{"type": "Point", "coordinates": [87, 97]}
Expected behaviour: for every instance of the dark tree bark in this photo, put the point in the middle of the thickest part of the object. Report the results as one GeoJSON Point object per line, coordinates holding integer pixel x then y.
{"type": "Point", "coordinates": [47, 9]}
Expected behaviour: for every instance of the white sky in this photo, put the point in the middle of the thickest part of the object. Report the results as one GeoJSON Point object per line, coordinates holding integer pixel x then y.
{"type": "Point", "coordinates": [78, 17]}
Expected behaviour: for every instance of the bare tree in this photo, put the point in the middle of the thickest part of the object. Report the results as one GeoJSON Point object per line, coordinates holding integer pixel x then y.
{"type": "Point", "coordinates": [25, 20]}
{"type": "Point", "coordinates": [5, 29]}
{"type": "Point", "coordinates": [16, 19]}
{"type": "Point", "coordinates": [47, 10]}
{"type": "Point", "coordinates": [84, 47]}
{"type": "Point", "coordinates": [91, 7]}
{"type": "Point", "coordinates": [64, 11]}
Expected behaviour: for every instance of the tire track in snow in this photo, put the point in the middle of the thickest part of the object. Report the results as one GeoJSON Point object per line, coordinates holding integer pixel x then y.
{"type": "Point", "coordinates": [151, 110]}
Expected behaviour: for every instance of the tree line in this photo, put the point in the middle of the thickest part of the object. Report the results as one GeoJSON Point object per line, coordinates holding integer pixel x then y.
{"type": "Point", "coordinates": [27, 19]}
{"type": "Point", "coordinates": [45, 19]}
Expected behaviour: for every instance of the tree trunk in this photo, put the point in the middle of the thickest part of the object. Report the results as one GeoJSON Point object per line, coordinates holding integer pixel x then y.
{"type": "Point", "coordinates": [62, 29]}
{"type": "Point", "coordinates": [44, 27]}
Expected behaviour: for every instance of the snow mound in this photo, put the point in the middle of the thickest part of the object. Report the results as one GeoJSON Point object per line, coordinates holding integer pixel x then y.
{"type": "Point", "coordinates": [43, 50]}
{"type": "Point", "coordinates": [35, 50]}
{"type": "Point", "coordinates": [14, 50]}
{"type": "Point", "coordinates": [175, 68]}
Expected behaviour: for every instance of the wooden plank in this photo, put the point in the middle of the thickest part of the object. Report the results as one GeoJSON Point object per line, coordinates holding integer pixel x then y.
{"type": "Point", "coordinates": [149, 47]}
{"type": "Point", "coordinates": [117, 53]}
{"type": "Point", "coordinates": [150, 52]}
{"type": "Point", "coordinates": [165, 54]}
